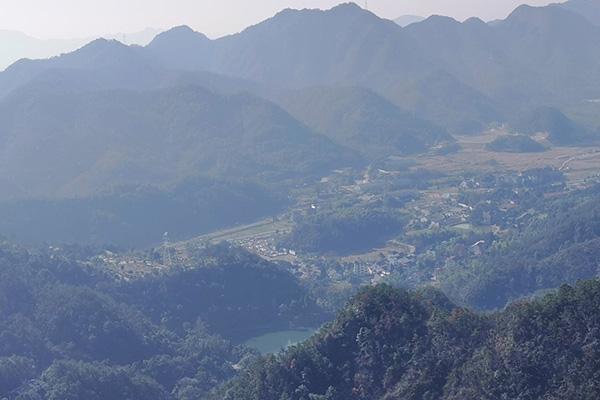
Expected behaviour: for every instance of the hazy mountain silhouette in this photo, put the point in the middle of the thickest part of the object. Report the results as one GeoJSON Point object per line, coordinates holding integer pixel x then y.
{"type": "Point", "coordinates": [17, 45]}
{"type": "Point", "coordinates": [460, 76]}
{"type": "Point", "coordinates": [526, 60]}
{"type": "Point", "coordinates": [588, 8]}
{"type": "Point", "coordinates": [560, 129]}
{"type": "Point", "coordinates": [406, 20]}
{"type": "Point", "coordinates": [66, 144]}
{"type": "Point", "coordinates": [124, 66]}
{"type": "Point", "coordinates": [362, 120]}
{"type": "Point", "coordinates": [181, 48]}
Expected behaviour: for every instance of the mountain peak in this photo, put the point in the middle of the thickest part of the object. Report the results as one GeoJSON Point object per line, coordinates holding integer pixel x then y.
{"type": "Point", "coordinates": [100, 46]}
{"type": "Point", "coordinates": [101, 43]}
{"type": "Point", "coordinates": [530, 14]}
{"type": "Point", "coordinates": [182, 28]}
{"type": "Point", "coordinates": [406, 20]}
{"type": "Point", "coordinates": [179, 34]}
{"type": "Point", "coordinates": [347, 7]}
{"type": "Point", "coordinates": [180, 47]}
{"type": "Point", "coordinates": [590, 9]}
{"type": "Point", "coordinates": [441, 19]}
{"type": "Point", "coordinates": [553, 20]}
{"type": "Point", "coordinates": [474, 21]}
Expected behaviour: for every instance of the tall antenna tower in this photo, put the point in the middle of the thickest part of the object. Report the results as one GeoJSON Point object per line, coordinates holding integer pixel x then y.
{"type": "Point", "coordinates": [167, 259]}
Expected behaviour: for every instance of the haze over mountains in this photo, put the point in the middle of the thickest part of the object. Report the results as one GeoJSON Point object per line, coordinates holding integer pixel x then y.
{"type": "Point", "coordinates": [406, 20]}
{"type": "Point", "coordinates": [17, 45]}
{"type": "Point", "coordinates": [354, 88]}
{"type": "Point", "coordinates": [174, 216]}
{"type": "Point", "coordinates": [154, 137]}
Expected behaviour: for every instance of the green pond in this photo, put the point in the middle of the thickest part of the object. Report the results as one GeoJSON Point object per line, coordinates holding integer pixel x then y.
{"type": "Point", "coordinates": [276, 341]}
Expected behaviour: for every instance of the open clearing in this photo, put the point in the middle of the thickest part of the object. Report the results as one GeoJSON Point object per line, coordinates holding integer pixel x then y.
{"type": "Point", "coordinates": [577, 162]}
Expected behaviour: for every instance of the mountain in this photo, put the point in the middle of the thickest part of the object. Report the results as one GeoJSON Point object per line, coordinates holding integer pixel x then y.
{"type": "Point", "coordinates": [441, 98]}
{"type": "Point", "coordinates": [515, 144]}
{"type": "Point", "coordinates": [541, 54]}
{"type": "Point", "coordinates": [138, 215]}
{"type": "Point", "coordinates": [140, 38]}
{"type": "Point", "coordinates": [180, 48]}
{"type": "Point", "coordinates": [17, 45]}
{"type": "Point", "coordinates": [346, 46]}
{"type": "Point", "coordinates": [590, 9]}
{"type": "Point", "coordinates": [107, 61]}
{"type": "Point", "coordinates": [406, 20]}
{"type": "Point", "coordinates": [305, 47]}
{"type": "Point", "coordinates": [74, 144]}
{"type": "Point", "coordinates": [362, 120]}
{"type": "Point", "coordinates": [469, 51]}
{"type": "Point", "coordinates": [518, 60]}
{"type": "Point", "coordinates": [391, 344]}
{"type": "Point", "coordinates": [460, 76]}
{"type": "Point", "coordinates": [560, 129]}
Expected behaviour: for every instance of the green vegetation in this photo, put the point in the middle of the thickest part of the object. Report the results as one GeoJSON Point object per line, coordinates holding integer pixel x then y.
{"type": "Point", "coordinates": [106, 139]}
{"type": "Point", "coordinates": [560, 129]}
{"type": "Point", "coordinates": [134, 217]}
{"type": "Point", "coordinates": [68, 331]}
{"type": "Point", "coordinates": [316, 139]}
{"type": "Point", "coordinates": [363, 121]}
{"type": "Point", "coordinates": [389, 344]}
{"type": "Point", "coordinates": [515, 144]}
{"type": "Point", "coordinates": [344, 231]}
{"type": "Point", "coordinates": [560, 246]}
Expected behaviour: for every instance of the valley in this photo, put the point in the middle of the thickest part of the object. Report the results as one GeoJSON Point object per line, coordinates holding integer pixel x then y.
{"type": "Point", "coordinates": [445, 219]}
{"type": "Point", "coordinates": [325, 205]}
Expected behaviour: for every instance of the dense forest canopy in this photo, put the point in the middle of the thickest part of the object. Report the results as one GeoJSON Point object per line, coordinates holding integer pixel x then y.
{"type": "Point", "coordinates": [70, 331]}
{"type": "Point", "coordinates": [389, 344]}
{"type": "Point", "coordinates": [559, 247]}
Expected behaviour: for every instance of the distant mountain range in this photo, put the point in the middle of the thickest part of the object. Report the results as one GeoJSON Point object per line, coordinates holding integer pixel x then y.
{"type": "Point", "coordinates": [461, 76]}
{"type": "Point", "coordinates": [292, 98]}
{"type": "Point", "coordinates": [17, 45]}
{"type": "Point", "coordinates": [79, 142]}
{"type": "Point", "coordinates": [587, 8]}
{"type": "Point", "coordinates": [406, 20]}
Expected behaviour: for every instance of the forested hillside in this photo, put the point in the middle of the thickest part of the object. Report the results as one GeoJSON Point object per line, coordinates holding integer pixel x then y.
{"type": "Point", "coordinates": [71, 331]}
{"type": "Point", "coordinates": [561, 246]}
{"type": "Point", "coordinates": [364, 121]}
{"type": "Point", "coordinates": [391, 344]}
{"type": "Point", "coordinates": [74, 144]}
{"type": "Point", "coordinates": [138, 216]}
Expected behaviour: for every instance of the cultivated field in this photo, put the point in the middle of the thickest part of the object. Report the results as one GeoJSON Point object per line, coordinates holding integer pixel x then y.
{"type": "Point", "coordinates": [578, 163]}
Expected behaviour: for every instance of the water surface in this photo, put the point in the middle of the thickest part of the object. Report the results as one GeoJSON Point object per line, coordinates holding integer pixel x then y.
{"type": "Point", "coordinates": [276, 341]}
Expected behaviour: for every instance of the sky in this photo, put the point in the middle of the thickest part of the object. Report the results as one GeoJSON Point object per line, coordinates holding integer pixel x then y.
{"type": "Point", "coordinates": [84, 18]}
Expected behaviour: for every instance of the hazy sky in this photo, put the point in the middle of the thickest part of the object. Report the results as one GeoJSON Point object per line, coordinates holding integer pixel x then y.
{"type": "Point", "coordinates": [82, 18]}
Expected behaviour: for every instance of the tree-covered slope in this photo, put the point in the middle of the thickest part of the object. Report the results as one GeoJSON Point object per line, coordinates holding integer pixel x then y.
{"type": "Point", "coordinates": [561, 130]}
{"type": "Point", "coordinates": [74, 144]}
{"type": "Point", "coordinates": [515, 144]}
{"type": "Point", "coordinates": [391, 344]}
{"type": "Point", "coordinates": [362, 120]}
{"type": "Point", "coordinates": [588, 8]}
{"type": "Point", "coordinates": [460, 76]}
{"type": "Point", "coordinates": [70, 331]}
{"type": "Point", "coordinates": [138, 216]}
{"type": "Point", "coordinates": [560, 246]}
